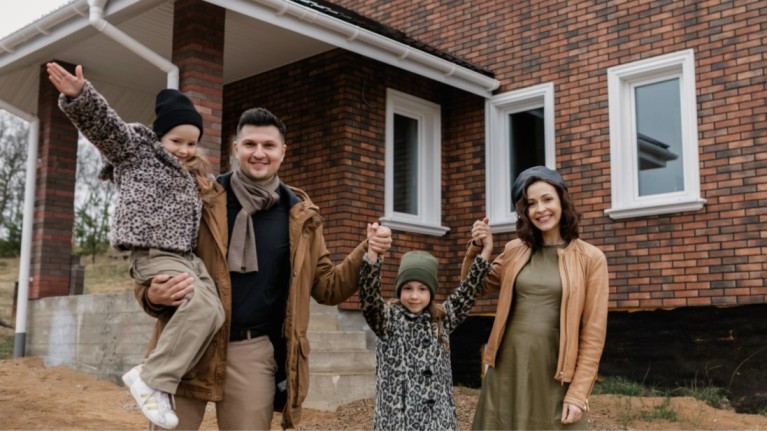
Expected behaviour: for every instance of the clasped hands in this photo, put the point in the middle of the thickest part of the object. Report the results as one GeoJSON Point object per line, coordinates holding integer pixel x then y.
{"type": "Point", "coordinates": [379, 240]}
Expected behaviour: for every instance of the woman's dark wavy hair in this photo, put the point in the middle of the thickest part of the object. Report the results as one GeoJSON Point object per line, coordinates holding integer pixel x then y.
{"type": "Point", "coordinates": [568, 224]}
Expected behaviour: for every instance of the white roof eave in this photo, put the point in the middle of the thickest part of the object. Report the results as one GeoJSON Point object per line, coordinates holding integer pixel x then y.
{"type": "Point", "coordinates": [311, 23]}
{"type": "Point", "coordinates": [66, 21]}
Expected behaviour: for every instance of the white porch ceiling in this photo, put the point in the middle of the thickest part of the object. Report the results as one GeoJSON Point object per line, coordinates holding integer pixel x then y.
{"type": "Point", "coordinates": [130, 82]}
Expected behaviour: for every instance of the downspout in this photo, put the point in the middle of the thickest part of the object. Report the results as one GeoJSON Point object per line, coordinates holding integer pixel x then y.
{"type": "Point", "coordinates": [96, 18]}
{"type": "Point", "coordinates": [20, 340]}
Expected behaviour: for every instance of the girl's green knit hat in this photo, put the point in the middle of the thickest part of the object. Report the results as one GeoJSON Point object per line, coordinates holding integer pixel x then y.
{"type": "Point", "coordinates": [418, 266]}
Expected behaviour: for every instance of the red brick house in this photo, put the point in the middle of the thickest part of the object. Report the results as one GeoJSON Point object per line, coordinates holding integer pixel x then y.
{"type": "Point", "coordinates": [420, 114]}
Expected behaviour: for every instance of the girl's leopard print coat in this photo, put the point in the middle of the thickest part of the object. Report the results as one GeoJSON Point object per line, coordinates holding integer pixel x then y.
{"type": "Point", "coordinates": [158, 203]}
{"type": "Point", "coordinates": [414, 383]}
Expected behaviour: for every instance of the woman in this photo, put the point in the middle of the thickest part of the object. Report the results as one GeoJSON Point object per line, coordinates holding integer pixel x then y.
{"type": "Point", "coordinates": [549, 329]}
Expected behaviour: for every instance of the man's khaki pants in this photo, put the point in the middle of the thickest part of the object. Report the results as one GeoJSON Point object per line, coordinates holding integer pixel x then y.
{"type": "Point", "coordinates": [248, 390]}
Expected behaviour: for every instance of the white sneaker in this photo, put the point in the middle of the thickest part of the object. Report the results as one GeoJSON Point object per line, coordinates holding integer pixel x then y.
{"type": "Point", "coordinates": [155, 404]}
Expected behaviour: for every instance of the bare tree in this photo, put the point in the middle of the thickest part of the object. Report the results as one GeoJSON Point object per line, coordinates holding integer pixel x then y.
{"type": "Point", "coordinates": [13, 158]}
{"type": "Point", "coordinates": [94, 201]}
{"type": "Point", "coordinates": [94, 198]}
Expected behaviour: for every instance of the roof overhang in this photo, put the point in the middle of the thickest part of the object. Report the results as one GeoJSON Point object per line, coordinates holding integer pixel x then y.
{"type": "Point", "coordinates": [316, 25]}
{"type": "Point", "coordinates": [285, 31]}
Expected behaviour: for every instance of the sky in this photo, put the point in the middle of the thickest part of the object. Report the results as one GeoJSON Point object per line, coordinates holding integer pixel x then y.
{"type": "Point", "coordinates": [21, 13]}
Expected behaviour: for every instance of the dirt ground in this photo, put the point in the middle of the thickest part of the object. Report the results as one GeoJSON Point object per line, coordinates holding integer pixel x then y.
{"type": "Point", "coordinates": [35, 397]}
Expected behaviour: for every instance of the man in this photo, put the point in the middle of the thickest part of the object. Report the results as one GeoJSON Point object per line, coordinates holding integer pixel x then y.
{"type": "Point", "coordinates": [275, 259]}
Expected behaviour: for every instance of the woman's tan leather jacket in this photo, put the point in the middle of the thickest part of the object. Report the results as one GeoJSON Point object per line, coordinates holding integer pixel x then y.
{"type": "Point", "coordinates": [583, 313]}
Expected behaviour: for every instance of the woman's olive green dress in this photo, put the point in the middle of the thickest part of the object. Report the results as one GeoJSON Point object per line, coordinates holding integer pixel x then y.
{"type": "Point", "coordinates": [520, 393]}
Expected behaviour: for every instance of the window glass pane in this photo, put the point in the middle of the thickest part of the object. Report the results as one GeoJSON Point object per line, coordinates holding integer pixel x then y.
{"type": "Point", "coordinates": [526, 143]}
{"type": "Point", "coordinates": [405, 165]}
{"type": "Point", "coordinates": [659, 138]}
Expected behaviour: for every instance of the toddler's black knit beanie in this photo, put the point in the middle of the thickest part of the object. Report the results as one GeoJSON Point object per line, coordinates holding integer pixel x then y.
{"type": "Point", "coordinates": [173, 108]}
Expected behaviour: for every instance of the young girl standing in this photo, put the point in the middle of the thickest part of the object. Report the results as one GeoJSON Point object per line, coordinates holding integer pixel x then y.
{"type": "Point", "coordinates": [414, 384]}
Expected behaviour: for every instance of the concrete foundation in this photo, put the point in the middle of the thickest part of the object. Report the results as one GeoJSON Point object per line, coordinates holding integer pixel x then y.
{"type": "Point", "coordinates": [106, 334]}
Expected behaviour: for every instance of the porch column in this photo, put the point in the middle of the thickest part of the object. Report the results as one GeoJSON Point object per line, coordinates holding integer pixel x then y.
{"type": "Point", "coordinates": [198, 51]}
{"type": "Point", "coordinates": [54, 198]}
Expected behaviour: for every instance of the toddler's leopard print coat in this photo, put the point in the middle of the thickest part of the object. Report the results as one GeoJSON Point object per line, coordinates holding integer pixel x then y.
{"type": "Point", "coordinates": [414, 383]}
{"type": "Point", "coordinates": [158, 204]}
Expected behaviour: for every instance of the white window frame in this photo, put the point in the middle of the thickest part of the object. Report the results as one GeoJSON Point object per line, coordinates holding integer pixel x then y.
{"type": "Point", "coordinates": [429, 218]}
{"type": "Point", "coordinates": [500, 209]}
{"type": "Point", "coordinates": [621, 81]}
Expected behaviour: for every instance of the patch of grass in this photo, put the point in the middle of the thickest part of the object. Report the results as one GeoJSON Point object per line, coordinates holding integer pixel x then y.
{"type": "Point", "coordinates": [762, 411]}
{"type": "Point", "coordinates": [6, 344]}
{"type": "Point", "coordinates": [662, 411]}
{"type": "Point", "coordinates": [626, 415]}
{"type": "Point", "coordinates": [9, 269]}
{"type": "Point", "coordinates": [630, 409]}
{"type": "Point", "coordinates": [9, 273]}
{"type": "Point", "coordinates": [107, 275]}
{"type": "Point", "coordinates": [709, 394]}
{"type": "Point", "coordinates": [622, 386]}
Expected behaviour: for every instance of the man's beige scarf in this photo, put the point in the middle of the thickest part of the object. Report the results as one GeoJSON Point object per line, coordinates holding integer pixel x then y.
{"type": "Point", "coordinates": [253, 196]}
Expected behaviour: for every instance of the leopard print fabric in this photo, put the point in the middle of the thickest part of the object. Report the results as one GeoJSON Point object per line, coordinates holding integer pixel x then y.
{"type": "Point", "coordinates": [414, 381]}
{"type": "Point", "coordinates": [158, 203]}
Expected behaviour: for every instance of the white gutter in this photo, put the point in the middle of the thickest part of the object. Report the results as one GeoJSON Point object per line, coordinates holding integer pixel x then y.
{"type": "Point", "coordinates": [96, 18]}
{"type": "Point", "coordinates": [311, 23]}
{"type": "Point", "coordinates": [25, 260]}
{"type": "Point", "coordinates": [43, 25]}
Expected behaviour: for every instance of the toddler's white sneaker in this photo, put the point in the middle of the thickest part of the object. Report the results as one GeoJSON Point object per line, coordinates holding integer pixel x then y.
{"type": "Point", "coordinates": [155, 404]}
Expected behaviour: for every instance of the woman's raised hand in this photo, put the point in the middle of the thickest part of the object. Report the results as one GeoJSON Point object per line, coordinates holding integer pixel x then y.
{"type": "Point", "coordinates": [482, 236]}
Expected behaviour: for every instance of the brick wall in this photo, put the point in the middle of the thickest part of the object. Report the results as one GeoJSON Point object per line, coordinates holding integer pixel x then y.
{"type": "Point", "coordinates": [334, 107]}
{"type": "Point", "coordinates": [715, 256]}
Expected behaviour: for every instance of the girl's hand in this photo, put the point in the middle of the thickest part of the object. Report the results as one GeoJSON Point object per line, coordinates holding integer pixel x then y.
{"type": "Point", "coordinates": [68, 84]}
{"type": "Point", "coordinates": [170, 291]}
{"type": "Point", "coordinates": [482, 235]}
{"type": "Point", "coordinates": [571, 413]}
{"type": "Point", "coordinates": [379, 240]}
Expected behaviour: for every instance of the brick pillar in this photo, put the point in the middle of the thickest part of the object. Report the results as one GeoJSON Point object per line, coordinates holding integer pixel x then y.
{"type": "Point", "coordinates": [198, 51]}
{"type": "Point", "coordinates": [54, 196]}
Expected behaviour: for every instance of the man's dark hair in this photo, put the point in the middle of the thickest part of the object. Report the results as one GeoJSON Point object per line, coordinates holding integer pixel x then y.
{"type": "Point", "coordinates": [260, 117]}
